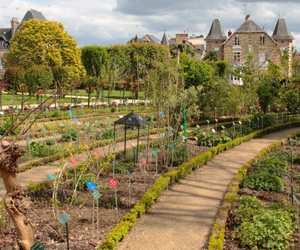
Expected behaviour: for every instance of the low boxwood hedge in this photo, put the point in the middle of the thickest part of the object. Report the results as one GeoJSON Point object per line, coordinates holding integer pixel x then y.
{"type": "Point", "coordinates": [120, 231]}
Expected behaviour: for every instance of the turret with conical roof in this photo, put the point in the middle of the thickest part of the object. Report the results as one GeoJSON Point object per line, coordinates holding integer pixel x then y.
{"type": "Point", "coordinates": [281, 31]}
{"type": "Point", "coordinates": [215, 38]}
{"type": "Point", "coordinates": [216, 32]}
{"type": "Point", "coordinates": [165, 40]}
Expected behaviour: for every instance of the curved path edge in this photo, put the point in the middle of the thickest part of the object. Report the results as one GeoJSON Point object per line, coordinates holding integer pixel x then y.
{"type": "Point", "coordinates": [183, 216]}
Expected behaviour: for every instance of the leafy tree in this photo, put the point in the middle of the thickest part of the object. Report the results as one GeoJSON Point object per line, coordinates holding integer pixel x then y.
{"type": "Point", "coordinates": [90, 84]}
{"type": "Point", "coordinates": [95, 59]}
{"type": "Point", "coordinates": [196, 72]}
{"type": "Point", "coordinates": [13, 76]}
{"type": "Point", "coordinates": [266, 93]}
{"type": "Point", "coordinates": [289, 95]}
{"type": "Point", "coordinates": [45, 43]}
{"type": "Point", "coordinates": [211, 56]}
{"type": "Point", "coordinates": [38, 76]}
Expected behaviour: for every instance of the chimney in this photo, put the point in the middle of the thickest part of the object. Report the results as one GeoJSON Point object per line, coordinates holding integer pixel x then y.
{"type": "Point", "coordinates": [229, 33]}
{"type": "Point", "coordinates": [14, 25]}
{"type": "Point", "coordinates": [136, 39]}
{"type": "Point", "coordinates": [247, 17]}
{"type": "Point", "coordinates": [184, 31]}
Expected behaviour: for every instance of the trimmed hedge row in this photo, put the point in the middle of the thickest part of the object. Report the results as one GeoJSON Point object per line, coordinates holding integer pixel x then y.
{"type": "Point", "coordinates": [121, 230]}
{"type": "Point", "coordinates": [217, 235]}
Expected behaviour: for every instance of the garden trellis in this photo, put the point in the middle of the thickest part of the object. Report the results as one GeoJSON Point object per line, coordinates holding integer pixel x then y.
{"type": "Point", "coordinates": [132, 119]}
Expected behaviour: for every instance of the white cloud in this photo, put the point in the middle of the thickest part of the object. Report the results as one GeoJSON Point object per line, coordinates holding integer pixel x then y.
{"type": "Point", "coordinates": [106, 22]}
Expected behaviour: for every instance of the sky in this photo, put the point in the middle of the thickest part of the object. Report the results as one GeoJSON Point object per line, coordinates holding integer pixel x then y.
{"type": "Point", "coordinates": [108, 22]}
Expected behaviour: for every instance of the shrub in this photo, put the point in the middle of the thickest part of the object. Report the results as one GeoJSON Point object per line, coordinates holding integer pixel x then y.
{"type": "Point", "coordinates": [263, 181]}
{"type": "Point", "coordinates": [271, 164]}
{"type": "Point", "coordinates": [269, 229]}
{"type": "Point", "coordinates": [122, 167]}
{"type": "Point", "coordinates": [66, 137]}
{"type": "Point", "coordinates": [50, 142]}
{"type": "Point", "coordinates": [180, 154]}
{"type": "Point", "coordinates": [113, 109]}
{"type": "Point", "coordinates": [82, 182]}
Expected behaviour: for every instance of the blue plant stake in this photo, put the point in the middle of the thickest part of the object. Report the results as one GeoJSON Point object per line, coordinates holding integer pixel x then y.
{"type": "Point", "coordinates": [155, 154]}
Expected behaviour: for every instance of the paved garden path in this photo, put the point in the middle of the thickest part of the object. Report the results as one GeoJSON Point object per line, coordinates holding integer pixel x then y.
{"type": "Point", "coordinates": [183, 216]}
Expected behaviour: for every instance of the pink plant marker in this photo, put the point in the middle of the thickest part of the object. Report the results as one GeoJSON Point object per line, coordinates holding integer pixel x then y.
{"type": "Point", "coordinates": [144, 161]}
{"type": "Point", "coordinates": [145, 114]}
{"type": "Point", "coordinates": [216, 120]}
{"type": "Point", "coordinates": [5, 143]}
{"type": "Point", "coordinates": [78, 123]}
{"type": "Point", "coordinates": [196, 139]}
{"type": "Point", "coordinates": [113, 183]}
{"type": "Point", "coordinates": [96, 154]}
{"type": "Point", "coordinates": [73, 161]}
{"type": "Point", "coordinates": [204, 133]}
{"type": "Point", "coordinates": [240, 122]}
{"type": "Point", "coordinates": [151, 137]}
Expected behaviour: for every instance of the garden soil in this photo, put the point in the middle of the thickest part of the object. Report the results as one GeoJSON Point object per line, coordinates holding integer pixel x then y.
{"type": "Point", "coordinates": [183, 216]}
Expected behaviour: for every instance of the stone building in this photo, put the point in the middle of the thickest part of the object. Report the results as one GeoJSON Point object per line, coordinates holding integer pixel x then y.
{"type": "Point", "coordinates": [6, 34]}
{"type": "Point", "coordinates": [249, 37]}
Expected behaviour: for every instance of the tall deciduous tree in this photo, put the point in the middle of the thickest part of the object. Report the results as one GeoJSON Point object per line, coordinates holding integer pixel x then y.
{"type": "Point", "coordinates": [45, 43]}
{"type": "Point", "coordinates": [38, 76]}
{"type": "Point", "coordinates": [13, 76]}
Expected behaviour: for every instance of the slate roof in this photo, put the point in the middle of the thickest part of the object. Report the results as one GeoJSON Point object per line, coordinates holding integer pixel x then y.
{"type": "Point", "coordinates": [5, 34]}
{"type": "Point", "coordinates": [33, 14]}
{"type": "Point", "coordinates": [132, 119]}
{"type": "Point", "coordinates": [150, 39]}
{"type": "Point", "coordinates": [249, 27]}
{"type": "Point", "coordinates": [281, 31]}
{"type": "Point", "coordinates": [216, 31]}
{"type": "Point", "coordinates": [164, 40]}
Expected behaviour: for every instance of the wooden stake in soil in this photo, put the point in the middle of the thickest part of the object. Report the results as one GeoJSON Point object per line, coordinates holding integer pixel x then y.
{"type": "Point", "coordinates": [73, 161]}
{"type": "Point", "coordinates": [172, 148]}
{"type": "Point", "coordinates": [144, 163]}
{"type": "Point", "coordinates": [129, 186]}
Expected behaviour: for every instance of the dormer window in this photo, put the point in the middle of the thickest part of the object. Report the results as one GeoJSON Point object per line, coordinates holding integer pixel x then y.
{"type": "Point", "coordinates": [236, 41]}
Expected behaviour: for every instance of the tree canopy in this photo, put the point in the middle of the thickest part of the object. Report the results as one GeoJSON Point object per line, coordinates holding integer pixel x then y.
{"type": "Point", "coordinates": [45, 43]}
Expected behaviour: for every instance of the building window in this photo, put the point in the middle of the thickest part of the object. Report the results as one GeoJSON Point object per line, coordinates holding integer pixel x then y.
{"type": "Point", "coordinates": [237, 56]}
{"type": "Point", "coordinates": [262, 40]}
{"type": "Point", "coordinates": [1, 63]}
{"type": "Point", "coordinates": [236, 41]}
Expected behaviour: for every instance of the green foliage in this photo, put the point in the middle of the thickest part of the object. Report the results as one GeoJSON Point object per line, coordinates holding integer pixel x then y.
{"type": "Point", "coordinates": [180, 154]}
{"type": "Point", "coordinates": [268, 229]}
{"type": "Point", "coordinates": [122, 167]}
{"type": "Point", "coordinates": [263, 181]}
{"type": "Point", "coordinates": [67, 137]}
{"type": "Point", "coordinates": [266, 93]}
{"type": "Point", "coordinates": [95, 59]}
{"type": "Point", "coordinates": [271, 164]}
{"type": "Point", "coordinates": [113, 109]}
{"type": "Point", "coordinates": [268, 120]}
{"type": "Point", "coordinates": [38, 149]}
{"type": "Point", "coordinates": [196, 72]}
{"type": "Point", "coordinates": [14, 76]}
{"type": "Point", "coordinates": [50, 142]}
{"type": "Point", "coordinates": [38, 76]}
{"type": "Point", "coordinates": [212, 139]}
{"type": "Point", "coordinates": [82, 181]}
{"type": "Point", "coordinates": [45, 43]}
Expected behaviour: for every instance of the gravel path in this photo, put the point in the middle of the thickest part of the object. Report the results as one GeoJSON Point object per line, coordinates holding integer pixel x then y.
{"type": "Point", "coordinates": [182, 218]}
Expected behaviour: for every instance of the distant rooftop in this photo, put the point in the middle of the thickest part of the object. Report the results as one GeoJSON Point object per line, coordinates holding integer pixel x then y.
{"type": "Point", "coordinates": [281, 31]}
